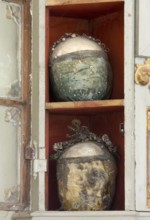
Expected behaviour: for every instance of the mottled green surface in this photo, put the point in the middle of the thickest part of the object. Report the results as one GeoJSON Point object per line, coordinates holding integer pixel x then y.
{"type": "Point", "coordinates": [79, 78]}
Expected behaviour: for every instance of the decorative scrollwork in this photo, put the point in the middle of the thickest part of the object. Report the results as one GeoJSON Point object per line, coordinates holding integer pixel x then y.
{"type": "Point", "coordinates": [82, 134]}
{"type": "Point", "coordinates": [13, 115]}
{"type": "Point", "coordinates": [142, 73]}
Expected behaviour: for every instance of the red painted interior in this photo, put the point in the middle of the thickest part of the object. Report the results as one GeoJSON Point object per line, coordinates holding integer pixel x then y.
{"type": "Point", "coordinates": [105, 22]}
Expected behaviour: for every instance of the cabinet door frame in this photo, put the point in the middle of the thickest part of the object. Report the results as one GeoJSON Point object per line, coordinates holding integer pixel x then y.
{"type": "Point", "coordinates": [129, 105]}
{"type": "Point", "coordinates": [25, 105]}
{"type": "Point", "coordinates": [142, 104]}
{"type": "Point", "coordinates": [38, 185]}
{"type": "Point", "coordinates": [38, 101]}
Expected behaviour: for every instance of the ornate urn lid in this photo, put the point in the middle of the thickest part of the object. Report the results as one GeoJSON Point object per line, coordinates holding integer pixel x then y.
{"type": "Point", "coordinates": [73, 42]}
{"type": "Point", "coordinates": [83, 143]}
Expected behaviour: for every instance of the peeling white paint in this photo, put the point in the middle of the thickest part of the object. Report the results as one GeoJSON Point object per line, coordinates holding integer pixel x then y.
{"type": "Point", "coordinates": [13, 116]}
{"type": "Point", "coordinates": [12, 194]}
{"type": "Point", "coordinates": [13, 12]}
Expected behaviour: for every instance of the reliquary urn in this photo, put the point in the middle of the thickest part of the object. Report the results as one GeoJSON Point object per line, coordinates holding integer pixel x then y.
{"type": "Point", "coordinates": [86, 170]}
{"type": "Point", "coordinates": [79, 69]}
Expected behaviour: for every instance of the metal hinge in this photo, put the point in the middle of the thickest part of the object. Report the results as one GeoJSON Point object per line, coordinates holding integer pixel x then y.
{"type": "Point", "coordinates": [39, 163]}
{"type": "Point", "coordinates": [121, 128]}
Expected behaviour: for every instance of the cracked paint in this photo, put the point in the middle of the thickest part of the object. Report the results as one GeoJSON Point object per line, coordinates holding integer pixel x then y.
{"type": "Point", "coordinates": [13, 12]}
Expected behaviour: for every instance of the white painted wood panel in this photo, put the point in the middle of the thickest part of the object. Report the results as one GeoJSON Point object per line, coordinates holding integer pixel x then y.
{"type": "Point", "coordinates": [88, 215]}
{"type": "Point", "coordinates": [142, 101]}
{"type": "Point", "coordinates": [94, 215]}
{"type": "Point", "coordinates": [38, 101]}
{"type": "Point", "coordinates": [142, 28]}
{"type": "Point", "coordinates": [129, 105]}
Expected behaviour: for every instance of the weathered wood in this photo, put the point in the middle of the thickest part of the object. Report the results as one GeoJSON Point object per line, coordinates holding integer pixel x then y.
{"type": "Point", "coordinates": [85, 106]}
{"type": "Point", "coordinates": [25, 103]}
{"type": "Point", "coordinates": [129, 105]}
{"type": "Point", "coordinates": [38, 191]}
{"type": "Point", "coordinates": [26, 117]}
{"type": "Point", "coordinates": [12, 103]}
{"type": "Point", "coordinates": [67, 2]}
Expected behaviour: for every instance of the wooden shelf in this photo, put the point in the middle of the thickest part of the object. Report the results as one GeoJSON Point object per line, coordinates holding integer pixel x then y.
{"type": "Point", "coordinates": [85, 106]}
{"type": "Point", "coordinates": [63, 2]}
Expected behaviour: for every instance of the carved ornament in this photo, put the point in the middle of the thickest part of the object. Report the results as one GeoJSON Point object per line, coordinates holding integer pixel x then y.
{"type": "Point", "coordinates": [142, 73]}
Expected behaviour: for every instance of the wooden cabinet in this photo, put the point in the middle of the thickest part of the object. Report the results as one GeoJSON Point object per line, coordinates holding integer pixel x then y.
{"type": "Point", "coordinates": [103, 20]}
{"type": "Point", "coordinates": [123, 27]}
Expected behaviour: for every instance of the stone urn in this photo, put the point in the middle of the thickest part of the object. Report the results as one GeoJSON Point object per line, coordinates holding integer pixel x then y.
{"type": "Point", "coordinates": [86, 171]}
{"type": "Point", "coordinates": [79, 69]}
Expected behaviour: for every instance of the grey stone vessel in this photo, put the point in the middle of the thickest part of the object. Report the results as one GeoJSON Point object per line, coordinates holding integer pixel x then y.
{"type": "Point", "coordinates": [79, 69]}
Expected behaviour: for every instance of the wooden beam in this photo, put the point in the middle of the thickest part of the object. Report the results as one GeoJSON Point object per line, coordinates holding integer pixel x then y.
{"type": "Point", "coordinates": [11, 103]}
